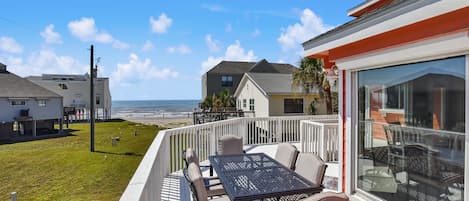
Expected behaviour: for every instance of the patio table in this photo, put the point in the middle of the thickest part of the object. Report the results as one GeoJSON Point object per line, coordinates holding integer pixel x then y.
{"type": "Point", "coordinates": [258, 176]}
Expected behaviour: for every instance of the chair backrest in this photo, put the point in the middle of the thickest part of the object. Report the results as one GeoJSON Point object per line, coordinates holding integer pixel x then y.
{"type": "Point", "coordinates": [230, 145]}
{"type": "Point", "coordinates": [190, 156]}
{"type": "Point", "coordinates": [286, 155]}
{"type": "Point", "coordinates": [327, 196]}
{"type": "Point", "coordinates": [196, 181]}
{"type": "Point", "coordinates": [311, 167]}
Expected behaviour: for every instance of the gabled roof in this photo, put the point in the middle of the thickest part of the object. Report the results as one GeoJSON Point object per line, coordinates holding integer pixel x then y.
{"type": "Point", "coordinates": [239, 67]}
{"type": "Point", "coordinates": [13, 86]}
{"type": "Point", "coordinates": [270, 83]}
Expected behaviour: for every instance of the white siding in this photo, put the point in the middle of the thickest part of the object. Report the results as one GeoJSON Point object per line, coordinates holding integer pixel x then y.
{"type": "Point", "coordinates": [52, 110]}
{"type": "Point", "coordinates": [261, 102]}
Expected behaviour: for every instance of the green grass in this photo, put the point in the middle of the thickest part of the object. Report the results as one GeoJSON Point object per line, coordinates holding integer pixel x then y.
{"type": "Point", "coordinates": [64, 168]}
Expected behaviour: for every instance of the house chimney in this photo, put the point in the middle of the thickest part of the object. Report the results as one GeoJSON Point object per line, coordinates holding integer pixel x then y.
{"type": "Point", "coordinates": [3, 68]}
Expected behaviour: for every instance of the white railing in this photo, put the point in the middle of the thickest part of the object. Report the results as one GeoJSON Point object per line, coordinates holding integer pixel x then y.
{"type": "Point", "coordinates": [165, 153]}
{"type": "Point", "coordinates": [321, 137]}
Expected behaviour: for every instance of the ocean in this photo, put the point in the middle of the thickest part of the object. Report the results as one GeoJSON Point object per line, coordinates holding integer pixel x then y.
{"type": "Point", "coordinates": [153, 108]}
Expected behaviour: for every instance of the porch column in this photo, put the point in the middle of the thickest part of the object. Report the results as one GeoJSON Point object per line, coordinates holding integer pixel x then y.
{"type": "Point", "coordinates": [34, 128]}
{"type": "Point", "coordinates": [61, 126]}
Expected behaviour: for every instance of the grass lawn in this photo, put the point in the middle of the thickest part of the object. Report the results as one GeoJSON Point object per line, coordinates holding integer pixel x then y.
{"type": "Point", "coordinates": [65, 169]}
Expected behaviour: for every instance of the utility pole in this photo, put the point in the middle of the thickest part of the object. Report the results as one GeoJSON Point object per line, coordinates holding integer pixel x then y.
{"type": "Point", "coordinates": [92, 100]}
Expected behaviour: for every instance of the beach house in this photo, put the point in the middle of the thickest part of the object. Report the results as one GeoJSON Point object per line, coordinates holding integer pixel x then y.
{"type": "Point", "coordinates": [400, 134]}
{"type": "Point", "coordinates": [228, 74]}
{"type": "Point", "coordinates": [403, 98]}
{"type": "Point", "coordinates": [75, 92]}
{"type": "Point", "coordinates": [27, 109]}
{"type": "Point", "coordinates": [272, 94]}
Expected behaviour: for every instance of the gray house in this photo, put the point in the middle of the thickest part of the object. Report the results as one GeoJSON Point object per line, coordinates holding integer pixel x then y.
{"type": "Point", "coordinates": [27, 109]}
{"type": "Point", "coordinates": [228, 74]}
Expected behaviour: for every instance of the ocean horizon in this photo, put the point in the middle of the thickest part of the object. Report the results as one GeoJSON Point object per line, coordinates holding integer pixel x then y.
{"type": "Point", "coordinates": [153, 108]}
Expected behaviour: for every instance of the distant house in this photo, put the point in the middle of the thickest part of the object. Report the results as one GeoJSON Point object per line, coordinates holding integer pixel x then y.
{"type": "Point", "coordinates": [26, 108]}
{"type": "Point", "coordinates": [228, 74]}
{"type": "Point", "coordinates": [75, 91]}
{"type": "Point", "coordinates": [272, 94]}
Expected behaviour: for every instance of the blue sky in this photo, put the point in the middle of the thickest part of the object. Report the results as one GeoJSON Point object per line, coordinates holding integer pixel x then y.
{"type": "Point", "coordinates": [158, 49]}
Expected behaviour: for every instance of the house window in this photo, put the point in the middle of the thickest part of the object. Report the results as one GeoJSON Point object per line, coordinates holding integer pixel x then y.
{"type": "Point", "coordinates": [63, 86]}
{"type": "Point", "coordinates": [226, 81]}
{"type": "Point", "coordinates": [251, 104]}
{"type": "Point", "coordinates": [41, 103]}
{"type": "Point", "coordinates": [244, 103]}
{"type": "Point", "coordinates": [18, 102]}
{"type": "Point", "coordinates": [293, 105]}
{"type": "Point", "coordinates": [98, 100]}
{"type": "Point", "coordinates": [411, 152]}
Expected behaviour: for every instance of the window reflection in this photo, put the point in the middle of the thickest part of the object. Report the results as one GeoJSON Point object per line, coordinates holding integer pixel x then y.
{"type": "Point", "coordinates": [411, 130]}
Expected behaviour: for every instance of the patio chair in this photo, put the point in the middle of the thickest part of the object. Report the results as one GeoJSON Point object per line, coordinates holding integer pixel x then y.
{"type": "Point", "coordinates": [213, 184]}
{"type": "Point", "coordinates": [311, 167]}
{"type": "Point", "coordinates": [190, 156]}
{"type": "Point", "coordinates": [196, 181]}
{"type": "Point", "coordinates": [230, 145]}
{"type": "Point", "coordinates": [327, 196]}
{"type": "Point", "coordinates": [286, 155]}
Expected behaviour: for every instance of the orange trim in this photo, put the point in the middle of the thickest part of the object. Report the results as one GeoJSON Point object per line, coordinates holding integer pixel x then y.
{"type": "Point", "coordinates": [372, 7]}
{"type": "Point", "coordinates": [439, 25]}
{"type": "Point", "coordinates": [343, 132]}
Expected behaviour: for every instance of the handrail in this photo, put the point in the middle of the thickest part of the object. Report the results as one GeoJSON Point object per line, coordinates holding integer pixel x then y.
{"type": "Point", "coordinates": [164, 154]}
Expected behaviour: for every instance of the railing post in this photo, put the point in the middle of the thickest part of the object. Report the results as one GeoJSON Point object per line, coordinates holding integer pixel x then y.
{"type": "Point", "coordinates": [278, 131]}
{"type": "Point", "coordinates": [302, 132]}
{"type": "Point", "coordinates": [244, 130]}
{"type": "Point", "coordinates": [213, 140]}
{"type": "Point", "coordinates": [322, 142]}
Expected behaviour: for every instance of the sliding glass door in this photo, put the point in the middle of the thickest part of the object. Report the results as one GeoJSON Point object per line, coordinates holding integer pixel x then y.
{"type": "Point", "coordinates": [411, 131]}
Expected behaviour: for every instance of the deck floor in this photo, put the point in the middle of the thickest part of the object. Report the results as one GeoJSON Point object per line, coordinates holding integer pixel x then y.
{"type": "Point", "coordinates": [175, 187]}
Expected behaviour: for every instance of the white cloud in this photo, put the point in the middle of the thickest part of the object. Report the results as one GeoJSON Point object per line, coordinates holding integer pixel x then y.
{"type": "Point", "coordinates": [10, 45]}
{"type": "Point", "coordinates": [161, 25]}
{"type": "Point", "coordinates": [137, 70]}
{"type": "Point", "coordinates": [148, 46]}
{"type": "Point", "coordinates": [50, 36]}
{"type": "Point", "coordinates": [213, 45]}
{"type": "Point", "coordinates": [256, 33]}
{"type": "Point", "coordinates": [213, 7]}
{"type": "Point", "coordinates": [120, 45]}
{"type": "Point", "coordinates": [228, 28]}
{"type": "Point", "coordinates": [234, 52]}
{"type": "Point", "coordinates": [181, 49]}
{"type": "Point", "coordinates": [310, 25]}
{"type": "Point", "coordinates": [85, 29]}
{"type": "Point", "coordinates": [43, 62]}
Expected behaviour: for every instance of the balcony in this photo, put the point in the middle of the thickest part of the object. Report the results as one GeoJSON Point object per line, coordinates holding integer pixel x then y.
{"type": "Point", "coordinates": [159, 176]}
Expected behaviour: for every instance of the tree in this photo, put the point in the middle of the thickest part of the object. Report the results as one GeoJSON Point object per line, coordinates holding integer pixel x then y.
{"type": "Point", "coordinates": [221, 101]}
{"type": "Point", "coordinates": [311, 74]}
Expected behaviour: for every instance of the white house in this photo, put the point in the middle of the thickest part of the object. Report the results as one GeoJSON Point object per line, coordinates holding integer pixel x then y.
{"type": "Point", "coordinates": [75, 91]}
{"type": "Point", "coordinates": [272, 94]}
{"type": "Point", "coordinates": [26, 108]}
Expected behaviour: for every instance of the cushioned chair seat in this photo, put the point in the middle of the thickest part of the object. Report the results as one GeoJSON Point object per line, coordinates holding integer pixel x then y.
{"type": "Point", "coordinates": [286, 155]}
{"type": "Point", "coordinates": [230, 145]}
{"type": "Point", "coordinates": [327, 196]}
{"type": "Point", "coordinates": [311, 167]}
{"type": "Point", "coordinates": [214, 187]}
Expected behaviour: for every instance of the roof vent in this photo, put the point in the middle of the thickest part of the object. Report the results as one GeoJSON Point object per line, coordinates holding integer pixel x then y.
{"type": "Point", "coordinates": [3, 68]}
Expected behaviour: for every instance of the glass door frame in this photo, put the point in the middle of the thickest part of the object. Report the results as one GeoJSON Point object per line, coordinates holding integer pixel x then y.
{"type": "Point", "coordinates": [351, 102]}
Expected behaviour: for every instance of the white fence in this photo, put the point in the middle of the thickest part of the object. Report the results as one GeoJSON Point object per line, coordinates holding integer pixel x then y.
{"type": "Point", "coordinates": [321, 137]}
{"type": "Point", "coordinates": [165, 153]}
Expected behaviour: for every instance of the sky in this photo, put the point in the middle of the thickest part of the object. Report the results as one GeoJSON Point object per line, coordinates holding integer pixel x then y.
{"type": "Point", "coordinates": [158, 49]}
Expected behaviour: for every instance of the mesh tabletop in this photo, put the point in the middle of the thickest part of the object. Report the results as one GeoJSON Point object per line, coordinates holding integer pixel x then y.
{"type": "Point", "coordinates": [257, 176]}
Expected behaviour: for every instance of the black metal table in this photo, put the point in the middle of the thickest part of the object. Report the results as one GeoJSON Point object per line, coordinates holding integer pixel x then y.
{"type": "Point", "coordinates": [258, 176]}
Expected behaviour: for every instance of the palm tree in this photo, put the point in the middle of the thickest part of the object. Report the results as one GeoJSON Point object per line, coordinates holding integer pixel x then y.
{"type": "Point", "coordinates": [310, 74]}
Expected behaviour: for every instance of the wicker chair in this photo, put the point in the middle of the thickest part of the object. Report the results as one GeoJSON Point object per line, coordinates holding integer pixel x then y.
{"type": "Point", "coordinates": [286, 155]}
{"type": "Point", "coordinates": [230, 145]}
{"type": "Point", "coordinates": [213, 184]}
{"type": "Point", "coordinates": [197, 186]}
